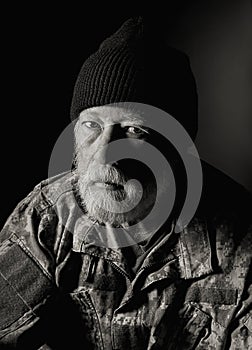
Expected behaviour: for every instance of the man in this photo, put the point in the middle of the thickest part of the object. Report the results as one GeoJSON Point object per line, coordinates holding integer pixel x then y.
{"type": "Point", "coordinates": [73, 274]}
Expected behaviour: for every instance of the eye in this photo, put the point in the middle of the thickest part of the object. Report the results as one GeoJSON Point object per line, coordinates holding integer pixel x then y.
{"type": "Point", "coordinates": [134, 130]}
{"type": "Point", "coordinates": [92, 125]}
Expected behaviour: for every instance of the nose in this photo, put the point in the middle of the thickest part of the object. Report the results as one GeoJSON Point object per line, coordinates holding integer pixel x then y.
{"type": "Point", "coordinates": [110, 133]}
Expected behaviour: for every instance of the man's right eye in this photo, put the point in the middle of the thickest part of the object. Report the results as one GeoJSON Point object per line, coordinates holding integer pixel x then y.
{"type": "Point", "coordinates": [92, 125]}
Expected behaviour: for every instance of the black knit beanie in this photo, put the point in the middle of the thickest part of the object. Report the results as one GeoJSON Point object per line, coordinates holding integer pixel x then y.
{"type": "Point", "coordinates": [135, 65]}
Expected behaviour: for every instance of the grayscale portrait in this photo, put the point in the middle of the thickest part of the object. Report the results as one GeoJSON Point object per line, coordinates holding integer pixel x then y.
{"type": "Point", "coordinates": [132, 227]}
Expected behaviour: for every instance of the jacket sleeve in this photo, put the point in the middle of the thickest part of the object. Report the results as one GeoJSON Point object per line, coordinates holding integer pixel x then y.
{"type": "Point", "coordinates": [25, 282]}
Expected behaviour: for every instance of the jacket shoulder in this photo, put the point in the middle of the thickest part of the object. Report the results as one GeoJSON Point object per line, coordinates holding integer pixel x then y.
{"type": "Point", "coordinates": [43, 196]}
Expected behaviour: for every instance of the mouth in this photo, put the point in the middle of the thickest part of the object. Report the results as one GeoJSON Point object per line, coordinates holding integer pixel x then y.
{"type": "Point", "coordinates": [109, 186]}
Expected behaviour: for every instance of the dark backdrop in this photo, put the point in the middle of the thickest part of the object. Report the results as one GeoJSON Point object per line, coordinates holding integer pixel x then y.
{"type": "Point", "coordinates": [43, 49]}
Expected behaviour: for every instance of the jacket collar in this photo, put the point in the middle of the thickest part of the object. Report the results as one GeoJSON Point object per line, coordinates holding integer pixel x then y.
{"type": "Point", "coordinates": [191, 246]}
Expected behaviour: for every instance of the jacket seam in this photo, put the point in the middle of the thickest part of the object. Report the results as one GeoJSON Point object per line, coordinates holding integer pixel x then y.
{"type": "Point", "coordinates": [91, 305]}
{"type": "Point", "coordinates": [12, 328]}
{"type": "Point", "coordinates": [50, 204]}
{"type": "Point", "coordinates": [36, 261]}
{"type": "Point", "coordinates": [20, 296]}
{"type": "Point", "coordinates": [187, 275]}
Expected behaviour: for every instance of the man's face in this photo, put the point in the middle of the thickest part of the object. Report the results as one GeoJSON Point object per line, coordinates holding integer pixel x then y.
{"type": "Point", "coordinates": [104, 185]}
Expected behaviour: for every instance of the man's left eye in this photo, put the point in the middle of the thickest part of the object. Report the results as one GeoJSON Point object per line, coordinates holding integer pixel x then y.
{"type": "Point", "coordinates": [135, 130]}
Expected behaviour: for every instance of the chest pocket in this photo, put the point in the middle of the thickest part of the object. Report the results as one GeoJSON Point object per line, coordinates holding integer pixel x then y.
{"type": "Point", "coordinates": [193, 328]}
{"type": "Point", "coordinates": [185, 330]}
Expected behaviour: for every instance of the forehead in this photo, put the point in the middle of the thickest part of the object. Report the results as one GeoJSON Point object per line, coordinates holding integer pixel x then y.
{"type": "Point", "coordinates": [111, 115]}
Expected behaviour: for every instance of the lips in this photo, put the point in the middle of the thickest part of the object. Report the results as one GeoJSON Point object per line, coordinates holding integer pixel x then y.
{"type": "Point", "coordinates": [108, 185]}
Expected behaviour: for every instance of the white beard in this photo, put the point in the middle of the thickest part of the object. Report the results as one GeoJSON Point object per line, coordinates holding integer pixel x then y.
{"type": "Point", "coordinates": [107, 205]}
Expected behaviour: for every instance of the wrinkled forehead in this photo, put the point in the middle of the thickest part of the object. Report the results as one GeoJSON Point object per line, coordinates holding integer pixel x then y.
{"type": "Point", "coordinates": [112, 115]}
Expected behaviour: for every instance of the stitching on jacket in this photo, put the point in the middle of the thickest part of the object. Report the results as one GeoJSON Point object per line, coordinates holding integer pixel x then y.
{"type": "Point", "coordinates": [22, 245]}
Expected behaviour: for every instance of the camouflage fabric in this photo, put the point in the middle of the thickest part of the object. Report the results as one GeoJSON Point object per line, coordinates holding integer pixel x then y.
{"type": "Point", "coordinates": [59, 290]}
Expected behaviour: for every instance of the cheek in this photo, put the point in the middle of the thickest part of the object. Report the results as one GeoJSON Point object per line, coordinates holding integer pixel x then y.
{"type": "Point", "coordinates": [85, 138]}
{"type": "Point", "coordinates": [86, 144]}
{"type": "Point", "coordinates": [85, 154]}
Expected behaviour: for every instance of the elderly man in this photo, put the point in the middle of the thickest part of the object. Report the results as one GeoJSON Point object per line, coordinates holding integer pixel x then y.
{"type": "Point", "coordinates": [73, 276]}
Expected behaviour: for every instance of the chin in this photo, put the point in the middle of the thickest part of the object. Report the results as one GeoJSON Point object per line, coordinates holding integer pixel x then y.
{"type": "Point", "coordinates": [101, 211]}
{"type": "Point", "coordinates": [101, 206]}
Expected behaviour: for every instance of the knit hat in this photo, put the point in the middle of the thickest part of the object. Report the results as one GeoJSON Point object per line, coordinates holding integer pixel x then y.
{"type": "Point", "coordinates": [135, 65]}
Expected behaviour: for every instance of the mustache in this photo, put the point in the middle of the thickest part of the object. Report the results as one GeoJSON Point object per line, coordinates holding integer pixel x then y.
{"type": "Point", "coordinates": [93, 172]}
{"type": "Point", "coordinates": [107, 174]}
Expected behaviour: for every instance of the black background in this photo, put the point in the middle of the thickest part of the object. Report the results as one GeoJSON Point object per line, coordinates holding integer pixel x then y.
{"type": "Point", "coordinates": [43, 49]}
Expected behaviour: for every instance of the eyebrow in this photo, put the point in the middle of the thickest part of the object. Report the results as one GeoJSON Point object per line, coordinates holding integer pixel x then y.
{"type": "Point", "coordinates": [128, 118]}
{"type": "Point", "coordinates": [136, 121]}
{"type": "Point", "coordinates": [131, 116]}
{"type": "Point", "coordinates": [91, 113]}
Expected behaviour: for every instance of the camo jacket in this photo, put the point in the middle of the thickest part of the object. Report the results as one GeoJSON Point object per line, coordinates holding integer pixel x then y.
{"type": "Point", "coordinates": [60, 290]}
